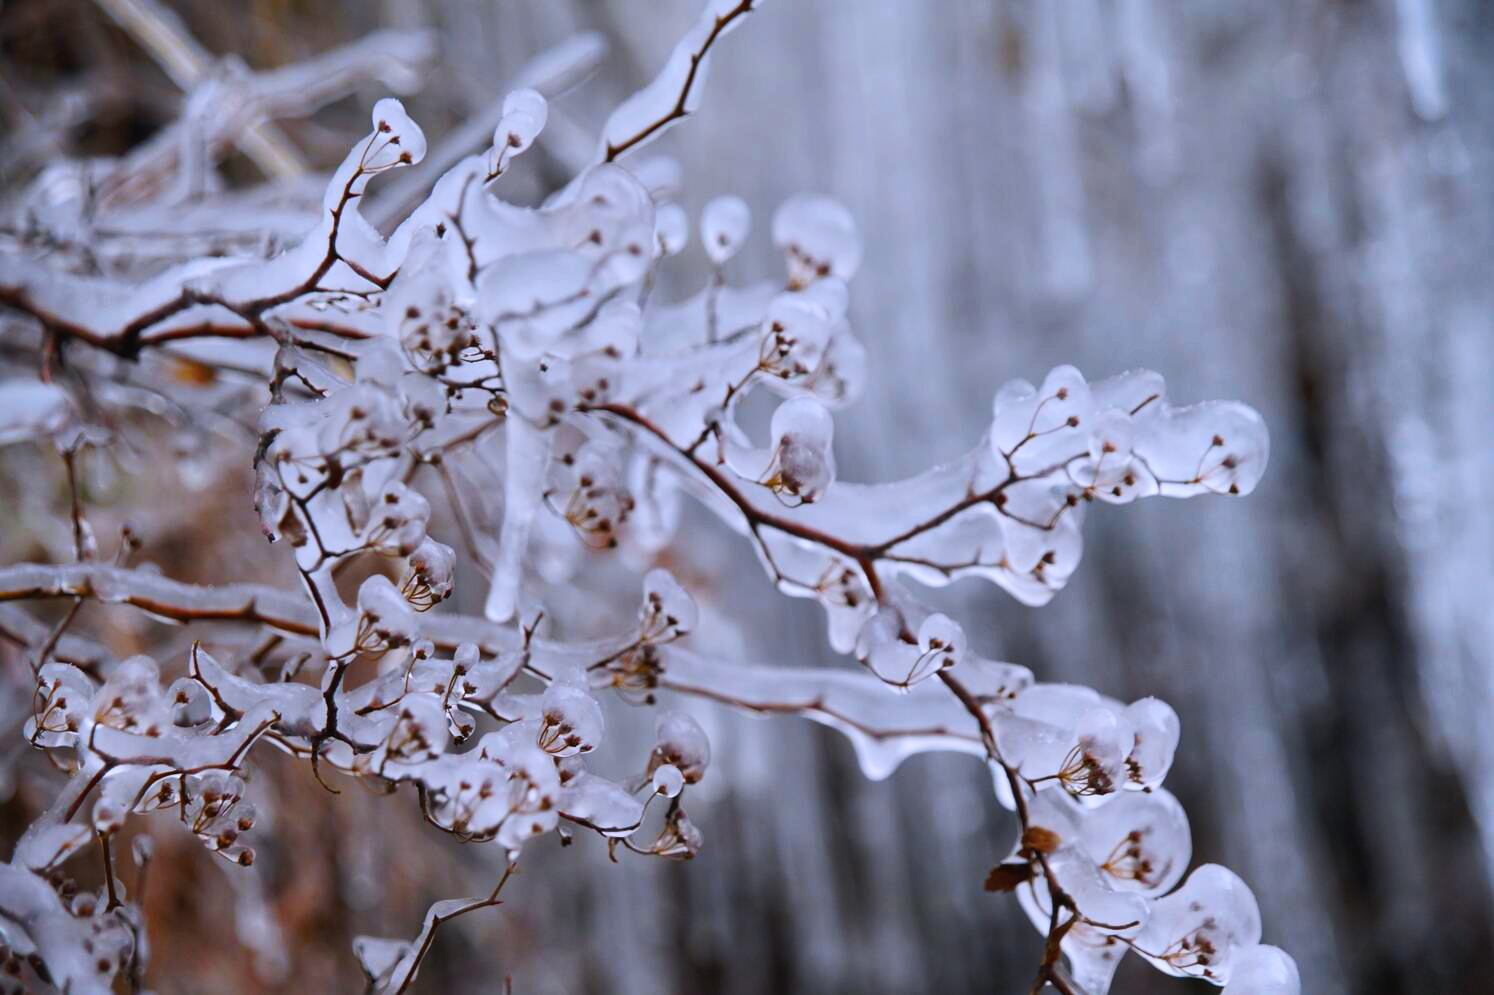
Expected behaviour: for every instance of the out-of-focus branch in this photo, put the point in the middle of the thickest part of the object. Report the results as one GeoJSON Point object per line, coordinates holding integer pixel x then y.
{"type": "Point", "coordinates": [161, 33]}
{"type": "Point", "coordinates": [552, 73]}
{"type": "Point", "coordinates": [158, 595]}
{"type": "Point", "coordinates": [244, 101]}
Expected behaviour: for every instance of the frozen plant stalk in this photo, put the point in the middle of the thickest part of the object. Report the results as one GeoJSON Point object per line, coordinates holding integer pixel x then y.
{"type": "Point", "coordinates": [485, 350]}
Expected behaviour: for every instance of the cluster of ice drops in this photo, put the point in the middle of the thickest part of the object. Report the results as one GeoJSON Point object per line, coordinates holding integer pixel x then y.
{"type": "Point", "coordinates": [523, 354]}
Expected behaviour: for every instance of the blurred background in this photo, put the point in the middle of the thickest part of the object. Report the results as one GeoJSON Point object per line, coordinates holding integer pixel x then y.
{"type": "Point", "coordinates": [1289, 204]}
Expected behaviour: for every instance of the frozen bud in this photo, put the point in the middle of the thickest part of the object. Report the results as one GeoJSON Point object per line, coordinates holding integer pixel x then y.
{"type": "Point", "coordinates": [571, 721]}
{"type": "Point", "coordinates": [1096, 764]}
{"type": "Point", "coordinates": [244, 816]}
{"type": "Point", "coordinates": [63, 697]}
{"type": "Point", "coordinates": [885, 649]}
{"type": "Point", "coordinates": [396, 141]}
{"type": "Point", "coordinates": [1140, 841]}
{"type": "Point", "coordinates": [398, 519]}
{"type": "Point", "coordinates": [796, 334]}
{"type": "Point", "coordinates": [386, 618]}
{"type": "Point", "coordinates": [671, 229]}
{"type": "Point", "coordinates": [466, 658]}
{"type": "Point", "coordinates": [806, 420]}
{"type": "Point", "coordinates": [1264, 970]}
{"type": "Point", "coordinates": [681, 743]}
{"type": "Point", "coordinates": [524, 115]}
{"type": "Point", "coordinates": [668, 611]}
{"type": "Point", "coordinates": [190, 704]}
{"type": "Point", "coordinates": [678, 839]}
{"type": "Point", "coordinates": [668, 781]}
{"type": "Point", "coordinates": [941, 638]}
{"type": "Point", "coordinates": [130, 699]}
{"type": "Point", "coordinates": [1198, 930]}
{"type": "Point", "coordinates": [108, 816]}
{"type": "Point", "coordinates": [1109, 471]}
{"type": "Point", "coordinates": [419, 733]}
{"type": "Point", "coordinates": [803, 463]}
{"type": "Point", "coordinates": [1157, 729]}
{"type": "Point", "coordinates": [724, 225]}
{"type": "Point", "coordinates": [819, 237]}
{"type": "Point", "coordinates": [428, 579]}
{"type": "Point", "coordinates": [598, 503]}
{"type": "Point", "coordinates": [406, 501]}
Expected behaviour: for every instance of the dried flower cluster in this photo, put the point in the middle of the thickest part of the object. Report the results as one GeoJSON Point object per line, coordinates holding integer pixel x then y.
{"type": "Point", "coordinates": [514, 363]}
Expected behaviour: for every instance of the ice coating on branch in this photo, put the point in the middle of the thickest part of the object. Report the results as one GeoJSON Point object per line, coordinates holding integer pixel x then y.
{"type": "Point", "coordinates": [1264, 970]}
{"type": "Point", "coordinates": [379, 958]}
{"type": "Point", "coordinates": [676, 91]}
{"type": "Point", "coordinates": [1199, 930]}
{"type": "Point", "coordinates": [724, 224]}
{"type": "Point", "coordinates": [82, 944]}
{"type": "Point", "coordinates": [818, 237]}
{"type": "Point", "coordinates": [1089, 945]}
{"type": "Point", "coordinates": [884, 728]}
{"type": "Point", "coordinates": [887, 647]}
{"type": "Point", "coordinates": [599, 803]}
{"type": "Point", "coordinates": [523, 484]}
{"type": "Point", "coordinates": [389, 964]}
{"type": "Point", "coordinates": [1011, 510]}
{"type": "Point", "coordinates": [518, 368]}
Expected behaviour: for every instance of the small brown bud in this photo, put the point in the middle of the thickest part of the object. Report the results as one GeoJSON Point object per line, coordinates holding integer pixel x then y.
{"type": "Point", "coordinates": [1040, 839]}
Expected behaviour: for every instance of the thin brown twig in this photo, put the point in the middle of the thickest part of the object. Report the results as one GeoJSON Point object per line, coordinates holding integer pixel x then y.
{"type": "Point", "coordinates": [680, 108]}
{"type": "Point", "coordinates": [437, 920]}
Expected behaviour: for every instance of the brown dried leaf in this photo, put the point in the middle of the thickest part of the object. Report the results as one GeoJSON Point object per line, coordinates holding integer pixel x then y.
{"type": "Point", "coordinates": [1006, 877]}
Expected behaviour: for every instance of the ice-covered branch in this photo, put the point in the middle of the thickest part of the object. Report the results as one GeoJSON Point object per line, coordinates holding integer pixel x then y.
{"type": "Point", "coordinates": [516, 366]}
